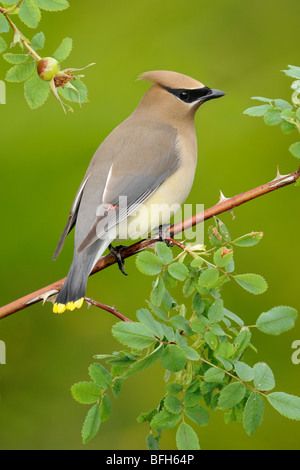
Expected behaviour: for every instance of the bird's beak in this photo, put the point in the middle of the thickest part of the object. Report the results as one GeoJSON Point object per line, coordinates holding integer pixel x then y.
{"type": "Point", "coordinates": [212, 94]}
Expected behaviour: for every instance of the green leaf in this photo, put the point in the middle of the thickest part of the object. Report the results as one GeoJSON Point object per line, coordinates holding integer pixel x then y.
{"type": "Point", "coordinates": [186, 438]}
{"type": "Point", "coordinates": [198, 303]}
{"type": "Point", "coordinates": [169, 280]}
{"type": "Point", "coordinates": [152, 443]}
{"type": "Point", "coordinates": [286, 405]}
{"type": "Point", "coordinates": [233, 317]}
{"type": "Point", "coordinates": [81, 95]}
{"type": "Point", "coordinates": [208, 278]}
{"type": "Point", "coordinates": [173, 358]}
{"type": "Point", "coordinates": [173, 404]}
{"type": "Point", "coordinates": [293, 72]}
{"type": "Point", "coordinates": [147, 417]}
{"type": "Point", "coordinates": [86, 392]}
{"type": "Point", "coordinates": [244, 371]}
{"type": "Point", "coordinates": [116, 387]}
{"type": "Point", "coordinates": [216, 311]}
{"type": "Point", "coordinates": [214, 375]}
{"type": "Point", "coordinates": [134, 335]}
{"type": "Point", "coordinates": [180, 323]}
{"type": "Point", "coordinates": [250, 239]}
{"type": "Point", "coordinates": [168, 332]}
{"type": "Point", "coordinates": [145, 317]}
{"type": "Point", "coordinates": [165, 420]}
{"type": "Point", "coordinates": [217, 330]}
{"type": "Point", "coordinates": [260, 98]}
{"type": "Point", "coordinates": [20, 73]}
{"type": "Point", "coordinates": [148, 263]}
{"type": "Point", "coordinates": [100, 375]}
{"type": "Point", "coordinates": [178, 271]}
{"type": "Point", "coordinates": [64, 50]}
{"type": "Point", "coordinates": [257, 111]}
{"type": "Point", "coordinates": [287, 127]}
{"type": "Point", "coordinates": [211, 339]}
{"type": "Point", "coordinates": [9, 2]}
{"type": "Point", "coordinates": [196, 263]}
{"type": "Point", "coordinates": [242, 341]}
{"type": "Point", "coordinates": [272, 117]}
{"type": "Point", "coordinates": [235, 415]}
{"type": "Point", "coordinates": [232, 395]}
{"type": "Point", "coordinates": [200, 324]}
{"type": "Point", "coordinates": [168, 302]}
{"type": "Point", "coordinates": [198, 414]}
{"type": "Point", "coordinates": [223, 230]}
{"type": "Point", "coordinates": [192, 394]}
{"type": "Point", "coordinates": [158, 312]}
{"type": "Point", "coordinates": [157, 293]}
{"type": "Point", "coordinates": [15, 59]}
{"type": "Point", "coordinates": [222, 257]}
{"type": "Point", "coordinates": [276, 321]}
{"type": "Point", "coordinates": [253, 283]}
{"type": "Point", "coordinates": [36, 91]}
{"type": "Point", "coordinates": [214, 236]}
{"type": "Point", "coordinates": [4, 26]}
{"type": "Point", "coordinates": [190, 353]}
{"type": "Point", "coordinates": [263, 377]}
{"type": "Point", "coordinates": [91, 424]}
{"type": "Point", "coordinates": [253, 413]}
{"type": "Point", "coordinates": [282, 104]}
{"type": "Point", "coordinates": [295, 149]}
{"type": "Point", "coordinates": [225, 350]}
{"type": "Point", "coordinates": [144, 363]}
{"type": "Point", "coordinates": [38, 41]}
{"type": "Point", "coordinates": [52, 5]}
{"type": "Point", "coordinates": [3, 45]}
{"type": "Point", "coordinates": [105, 408]}
{"type": "Point", "coordinates": [164, 253]}
{"type": "Point", "coordinates": [173, 388]}
{"type": "Point", "coordinates": [30, 13]}
{"type": "Point", "coordinates": [189, 287]}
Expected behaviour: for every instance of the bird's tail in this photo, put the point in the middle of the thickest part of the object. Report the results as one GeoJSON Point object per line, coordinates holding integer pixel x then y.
{"type": "Point", "coordinates": [72, 293]}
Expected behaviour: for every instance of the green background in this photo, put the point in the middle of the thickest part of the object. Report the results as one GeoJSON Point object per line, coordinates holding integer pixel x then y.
{"type": "Point", "coordinates": [238, 47]}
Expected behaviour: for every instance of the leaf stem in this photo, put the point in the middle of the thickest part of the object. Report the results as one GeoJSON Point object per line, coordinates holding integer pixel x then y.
{"type": "Point", "coordinates": [17, 31]}
{"type": "Point", "coordinates": [233, 377]}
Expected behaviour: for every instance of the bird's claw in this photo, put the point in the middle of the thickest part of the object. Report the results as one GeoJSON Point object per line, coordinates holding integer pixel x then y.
{"type": "Point", "coordinates": [164, 234]}
{"type": "Point", "coordinates": [116, 252]}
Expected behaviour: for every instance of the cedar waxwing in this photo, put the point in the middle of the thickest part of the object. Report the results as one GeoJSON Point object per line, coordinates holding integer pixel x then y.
{"type": "Point", "coordinates": [148, 160]}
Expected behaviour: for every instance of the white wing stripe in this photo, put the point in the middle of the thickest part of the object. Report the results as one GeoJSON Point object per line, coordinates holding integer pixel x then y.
{"type": "Point", "coordinates": [107, 183]}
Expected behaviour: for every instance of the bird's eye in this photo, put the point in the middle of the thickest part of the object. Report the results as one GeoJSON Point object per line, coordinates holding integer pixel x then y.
{"type": "Point", "coordinates": [184, 96]}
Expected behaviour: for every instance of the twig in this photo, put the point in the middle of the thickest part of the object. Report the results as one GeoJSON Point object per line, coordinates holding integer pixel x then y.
{"type": "Point", "coordinates": [109, 260]}
{"type": "Point", "coordinates": [107, 309]}
{"type": "Point", "coordinates": [17, 31]}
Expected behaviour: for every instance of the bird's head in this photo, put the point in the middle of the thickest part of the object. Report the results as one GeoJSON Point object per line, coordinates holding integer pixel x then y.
{"type": "Point", "coordinates": [175, 95]}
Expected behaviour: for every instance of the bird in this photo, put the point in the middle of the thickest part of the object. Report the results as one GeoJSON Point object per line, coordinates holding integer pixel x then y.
{"type": "Point", "coordinates": [148, 160]}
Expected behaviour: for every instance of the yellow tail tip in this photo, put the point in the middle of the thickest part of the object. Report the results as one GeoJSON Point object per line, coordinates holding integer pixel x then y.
{"type": "Point", "coordinates": [61, 308]}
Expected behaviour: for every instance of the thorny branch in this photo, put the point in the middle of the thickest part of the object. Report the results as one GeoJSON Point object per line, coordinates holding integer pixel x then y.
{"type": "Point", "coordinates": [224, 205]}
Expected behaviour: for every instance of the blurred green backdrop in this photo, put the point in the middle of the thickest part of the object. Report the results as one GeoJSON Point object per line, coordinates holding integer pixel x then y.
{"type": "Point", "coordinates": [238, 47]}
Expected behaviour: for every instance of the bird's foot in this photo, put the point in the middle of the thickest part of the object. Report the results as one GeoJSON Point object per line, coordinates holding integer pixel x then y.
{"type": "Point", "coordinates": [116, 252]}
{"type": "Point", "coordinates": [164, 234]}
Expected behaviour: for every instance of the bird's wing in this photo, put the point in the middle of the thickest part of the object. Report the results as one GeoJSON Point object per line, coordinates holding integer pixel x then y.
{"type": "Point", "coordinates": [133, 178]}
{"type": "Point", "coordinates": [72, 218]}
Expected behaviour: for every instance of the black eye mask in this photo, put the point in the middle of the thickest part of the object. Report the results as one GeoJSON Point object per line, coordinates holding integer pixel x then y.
{"type": "Point", "coordinates": [191, 96]}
